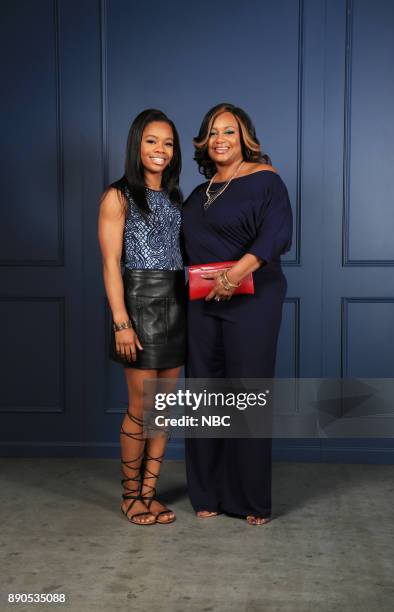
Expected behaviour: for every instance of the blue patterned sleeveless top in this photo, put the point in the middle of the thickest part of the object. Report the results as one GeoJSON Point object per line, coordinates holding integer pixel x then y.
{"type": "Point", "coordinates": [152, 242]}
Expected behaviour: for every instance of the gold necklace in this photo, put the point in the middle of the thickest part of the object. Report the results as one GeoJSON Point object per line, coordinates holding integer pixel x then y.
{"type": "Point", "coordinates": [211, 197]}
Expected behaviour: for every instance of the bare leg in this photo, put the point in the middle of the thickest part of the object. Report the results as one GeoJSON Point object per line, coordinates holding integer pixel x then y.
{"type": "Point", "coordinates": [132, 445]}
{"type": "Point", "coordinates": [154, 453]}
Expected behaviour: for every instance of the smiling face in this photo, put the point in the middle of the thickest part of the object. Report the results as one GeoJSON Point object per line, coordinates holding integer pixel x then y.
{"type": "Point", "coordinates": [157, 146]}
{"type": "Point", "coordinates": [224, 142]}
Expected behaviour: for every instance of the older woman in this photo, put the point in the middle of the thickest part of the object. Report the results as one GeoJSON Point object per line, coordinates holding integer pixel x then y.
{"type": "Point", "coordinates": [242, 213]}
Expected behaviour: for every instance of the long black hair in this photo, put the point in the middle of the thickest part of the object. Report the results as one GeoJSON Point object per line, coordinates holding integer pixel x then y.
{"type": "Point", "coordinates": [133, 178]}
{"type": "Point", "coordinates": [250, 145]}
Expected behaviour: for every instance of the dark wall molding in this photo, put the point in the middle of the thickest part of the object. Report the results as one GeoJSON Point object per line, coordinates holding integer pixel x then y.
{"type": "Point", "coordinates": [346, 164]}
{"type": "Point", "coordinates": [51, 409]}
{"type": "Point", "coordinates": [59, 261]}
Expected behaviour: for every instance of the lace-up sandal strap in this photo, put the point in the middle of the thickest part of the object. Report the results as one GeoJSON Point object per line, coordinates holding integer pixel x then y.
{"type": "Point", "coordinates": [132, 518]}
{"type": "Point", "coordinates": [138, 437]}
{"type": "Point", "coordinates": [151, 476]}
{"type": "Point", "coordinates": [136, 419]}
{"type": "Point", "coordinates": [135, 479]}
{"type": "Point", "coordinates": [133, 498]}
{"type": "Point", "coordinates": [148, 499]}
{"type": "Point", "coordinates": [149, 457]}
{"type": "Point", "coordinates": [134, 435]}
{"type": "Point", "coordinates": [146, 470]}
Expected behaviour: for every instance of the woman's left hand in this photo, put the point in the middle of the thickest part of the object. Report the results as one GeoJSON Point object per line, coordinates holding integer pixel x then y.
{"type": "Point", "coordinates": [218, 292]}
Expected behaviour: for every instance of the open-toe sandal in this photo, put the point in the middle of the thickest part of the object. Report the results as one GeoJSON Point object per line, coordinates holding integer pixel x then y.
{"type": "Point", "coordinates": [151, 496]}
{"type": "Point", "coordinates": [208, 514]}
{"type": "Point", "coordinates": [134, 493]}
{"type": "Point", "coordinates": [264, 519]}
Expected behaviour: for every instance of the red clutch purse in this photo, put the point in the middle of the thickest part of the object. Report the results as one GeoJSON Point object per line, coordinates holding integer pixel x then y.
{"type": "Point", "coordinates": [200, 287]}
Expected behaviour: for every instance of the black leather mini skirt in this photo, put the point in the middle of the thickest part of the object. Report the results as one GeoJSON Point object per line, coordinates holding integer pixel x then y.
{"type": "Point", "coordinates": [156, 303]}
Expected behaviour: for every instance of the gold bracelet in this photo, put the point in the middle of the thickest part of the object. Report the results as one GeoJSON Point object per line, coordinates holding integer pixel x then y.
{"type": "Point", "coordinates": [229, 281]}
{"type": "Point", "coordinates": [224, 282]}
{"type": "Point", "coordinates": [124, 325]}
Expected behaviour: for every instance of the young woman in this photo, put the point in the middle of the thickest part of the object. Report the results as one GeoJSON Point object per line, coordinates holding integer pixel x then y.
{"type": "Point", "coordinates": [139, 226]}
{"type": "Point", "coordinates": [243, 214]}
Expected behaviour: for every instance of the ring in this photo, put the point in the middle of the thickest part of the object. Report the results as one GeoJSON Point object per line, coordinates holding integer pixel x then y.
{"type": "Point", "coordinates": [217, 298]}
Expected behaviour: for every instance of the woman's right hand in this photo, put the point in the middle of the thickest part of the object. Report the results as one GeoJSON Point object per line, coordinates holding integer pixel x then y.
{"type": "Point", "coordinates": [127, 343]}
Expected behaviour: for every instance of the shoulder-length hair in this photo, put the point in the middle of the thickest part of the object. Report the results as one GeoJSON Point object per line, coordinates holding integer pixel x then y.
{"type": "Point", "coordinates": [133, 178]}
{"type": "Point", "coordinates": [250, 145]}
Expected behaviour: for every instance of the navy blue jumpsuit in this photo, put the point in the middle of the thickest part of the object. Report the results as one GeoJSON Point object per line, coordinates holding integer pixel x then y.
{"type": "Point", "coordinates": [236, 338]}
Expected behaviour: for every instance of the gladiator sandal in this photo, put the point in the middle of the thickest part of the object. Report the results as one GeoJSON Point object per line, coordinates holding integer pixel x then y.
{"type": "Point", "coordinates": [134, 493]}
{"type": "Point", "coordinates": [148, 499]}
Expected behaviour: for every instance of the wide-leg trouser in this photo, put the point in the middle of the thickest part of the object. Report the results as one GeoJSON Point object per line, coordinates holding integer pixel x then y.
{"type": "Point", "coordinates": [234, 339]}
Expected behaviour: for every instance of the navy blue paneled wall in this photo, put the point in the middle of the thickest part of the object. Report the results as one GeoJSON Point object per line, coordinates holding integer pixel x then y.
{"type": "Point", "coordinates": [317, 78]}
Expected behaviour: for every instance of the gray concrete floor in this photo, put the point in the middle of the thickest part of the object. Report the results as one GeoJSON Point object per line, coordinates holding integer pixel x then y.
{"type": "Point", "coordinates": [330, 546]}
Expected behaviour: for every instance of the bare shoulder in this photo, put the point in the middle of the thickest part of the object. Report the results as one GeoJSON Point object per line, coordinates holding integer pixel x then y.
{"type": "Point", "coordinates": [112, 203]}
{"type": "Point", "coordinates": [261, 167]}
{"type": "Point", "coordinates": [252, 168]}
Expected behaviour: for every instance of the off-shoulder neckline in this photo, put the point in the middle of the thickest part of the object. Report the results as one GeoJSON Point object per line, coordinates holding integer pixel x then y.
{"type": "Point", "coordinates": [237, 178]}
